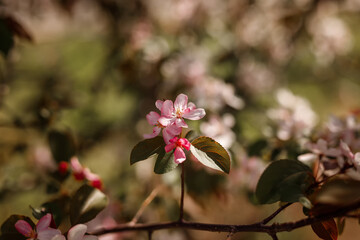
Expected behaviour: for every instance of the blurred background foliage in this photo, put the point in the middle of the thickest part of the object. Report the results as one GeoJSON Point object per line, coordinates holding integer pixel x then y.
{"type": "Point", "coordinates": [93, 69]}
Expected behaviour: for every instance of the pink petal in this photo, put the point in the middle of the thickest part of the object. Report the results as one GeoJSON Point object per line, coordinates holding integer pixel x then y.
{"type": "Point", "coordinates": [191, 106]}
{"type": "Point", "coordinates": [75, 165]}
{"type": "Point", "coordinates": [170, 147]}
{"type": "Point", "coordinates": [77, 232]}
{"type": "Point", "coordinates": [173, 130]}
{"type": "Point", "coordinates": [48, 234]}
{"type": "Point", "coordinates": [181, 123]}
{"type": "Point", "coordinates": [166, 121]}
{"type": "Point", "coordinates": [184, 143]}
{"type": "Point", "coordinates": [194, 114]}
{"type": "Point", "coordinates": [167, 137]}
{"type": "Point", "coordinates": [43, 223]}
{"type": "Point", "coordinates": [181, 102]}
{"type": "Point", "coordinates": [58, 237]}
{"type": "Point", "coordinates": [179, 155]}
{"type": "Point", "coordinates": [152, 118]}
{"type": "Point", "coordinates": [90, 176]}
{"type": "Point", "coordinates": [159, 104]}
{"type": "Point", "coordinates": [156, 131]}
{"type": "Point", "coordinates": [24, 228]}
{"type": "Point", "coordinates": [167, 108]}
{"type": "Point", "coordinates": [90, 237]}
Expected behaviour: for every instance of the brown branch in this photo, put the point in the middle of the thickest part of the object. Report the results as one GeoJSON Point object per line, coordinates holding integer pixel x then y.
{"type": "Point", "coordinates": [272, 216]}
{"type": "Point", "coordinates": [272, 230]}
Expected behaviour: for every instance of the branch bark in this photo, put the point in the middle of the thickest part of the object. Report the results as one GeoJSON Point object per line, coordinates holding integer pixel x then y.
{"type": "Point", "coordinates": [272, 229]}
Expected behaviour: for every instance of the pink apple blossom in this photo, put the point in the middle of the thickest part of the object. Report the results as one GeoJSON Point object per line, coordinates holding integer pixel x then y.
{"type": "Point", "coordinates": [43, 230]}
{"type": "Point", "coordinates": [77, 232]}
{"type": "Point", "coordinates": [178, 144]}
{"type": "Point", "coordinates": [169, 131]}
{"type": "Point", "coordinates": [173, 113]}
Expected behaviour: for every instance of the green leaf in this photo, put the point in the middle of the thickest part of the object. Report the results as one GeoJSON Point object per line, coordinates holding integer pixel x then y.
{"type": "Point", "coordinates": [146, 148]}
{"type": "Point", "coordinates": [339, 191]}
{"type": "Point", "coordinates": [86, 204]}
{"type": "Point", "coordinates": [6, 37]}
{"type": "Point", "coordinates": [340, 224]}
{"type": "Point", "coordinates": [211, 154]}
{"type": "Point", "coordinates": [191, 135]}
{"type": "Point", "coordinates": [58, 207]}
{"type": "Point", "coordinates": [326, 230]}
{"type": "Point", "coordinates": [62, 145]}
{"type": "Point", "coordinates": [164, 162]}
{"type": "Point", "coordinates": [284, 180]}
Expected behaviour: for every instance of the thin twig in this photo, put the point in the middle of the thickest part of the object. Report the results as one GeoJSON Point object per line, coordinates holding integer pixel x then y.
{"type": "Point", "coordinates": [147, 201]}
{"type": "Point", "coordinates": [181, 215]}
{"type": "Point", "coordinates": [272, 216]}
{"type": "Point", "coordinates": [257, 227]}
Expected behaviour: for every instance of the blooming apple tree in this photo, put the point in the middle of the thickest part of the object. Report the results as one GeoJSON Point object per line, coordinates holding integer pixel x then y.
{"type": "Point", "coordinates": [323, 178]}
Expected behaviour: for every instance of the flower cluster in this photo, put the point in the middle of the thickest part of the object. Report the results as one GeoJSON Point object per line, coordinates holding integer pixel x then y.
{"type": "Point", "coordinates": [81, 173]}
{"type": "Point", "coordinates": [44, 230]}
{"type": "Point", "coordinates": [337, 149]}
{"type": "Point", "coordinates": [171, 121]}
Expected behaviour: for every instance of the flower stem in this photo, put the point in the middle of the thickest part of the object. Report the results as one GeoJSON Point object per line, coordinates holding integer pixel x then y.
{"type": "Point", "coordinates": [182, 193]}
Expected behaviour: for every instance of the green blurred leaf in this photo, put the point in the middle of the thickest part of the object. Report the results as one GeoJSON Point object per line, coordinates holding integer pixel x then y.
{"type": "Point", "coordinates": [164, 162]}
{"type": "Point", "coordinates": [8, 230]}
{"type": "Point", "coordinates": [339, 191]}
{"type": "Point", "coordinates": [146, 148]}
{"type": "Point", "coordinates": [58, 207]}
{"type": "Point", "coordinates": [340, 224]}
{"type": "Point", "coordinates": [211, 154]}
{"type": "Point", "coordinates": [62, 145]}
{"type": "Point", "coordinates": [256, 148]}
{"type": "Point", "coordinates": [284, 180]}
{"type": "Point", "coordinates": [86, 204]}
{"type": "Point", "coordinates": [326, 230]}
{"type": "Point", "coordinates": [6, 37]}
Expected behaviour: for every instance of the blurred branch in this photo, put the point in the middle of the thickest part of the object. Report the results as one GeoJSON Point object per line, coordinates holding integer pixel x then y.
{"type": "Point", "coordinates": [272, 230]}
{"type": "Point", "coordinates": [147, 201]}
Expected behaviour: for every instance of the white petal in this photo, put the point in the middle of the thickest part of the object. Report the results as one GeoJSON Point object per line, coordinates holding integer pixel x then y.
{"type": "Point", "coordinates": [90, 237]}
{"type": "Point", "coordinates": [166, 121]}
{"type": "Point", "coordinates": [77, 232]}
{"type": "Point", "coordinates": [195, 114]}
{"type": "Point", "coordinates": [58, 237]}
{"type": "Point", "coordinates": [181, 102]}
{"type": "Point", "coordinates": [48, 234]}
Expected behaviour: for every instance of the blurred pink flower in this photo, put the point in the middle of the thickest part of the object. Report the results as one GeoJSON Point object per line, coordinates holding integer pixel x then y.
{"type": "Point", "coordinates": [81, 173]}
{"type": "Point", "coordinates": [178, 144]}
{"type": "Point", "coordinates": [77, 232]}
{"type": "Point", "coordinates": [43, 230]}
